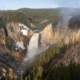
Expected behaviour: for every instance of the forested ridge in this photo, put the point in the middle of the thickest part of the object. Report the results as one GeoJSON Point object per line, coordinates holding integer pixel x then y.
{"type": "Point", "coordinates": [29, 16]}
{"type": "Point", "coordinates": [14, 16]}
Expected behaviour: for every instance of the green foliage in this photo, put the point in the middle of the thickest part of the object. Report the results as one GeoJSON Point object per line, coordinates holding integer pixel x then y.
{"type": "Point", "coordinates": [42, 67]}
{"type": "Point", "coordinates": [36, 16]}
{"type": "Point", "coordinates": [9, 43]}
{"type": "Point", "coordinates": [29, 16]}
{"type": "Point", "coordinates": [40, 71]}
{"type": "Point", "coordinates": [14, 16]}
{"type": "Point", "coordinates": [70, 72]}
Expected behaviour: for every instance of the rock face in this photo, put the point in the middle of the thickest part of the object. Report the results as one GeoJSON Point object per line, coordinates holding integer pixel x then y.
{"type": "Point", "coordinates": [19, 32]}
{"type": "Point", "coordinates": [53, 33]}
{"type": "Point", "coordinates": [50, 35]}
{"type": "Point", "coordinates": [72, 36]}
{"type": "Point", "coordinates": [18, 55]}
{"type": "Point", "coordinates": [18, 36]}
{"type": "Point", "coordinates": [47, 36]}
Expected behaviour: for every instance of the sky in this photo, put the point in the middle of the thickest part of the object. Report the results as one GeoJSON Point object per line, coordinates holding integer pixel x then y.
{"type": "Point", "coordinates": [16, 4]}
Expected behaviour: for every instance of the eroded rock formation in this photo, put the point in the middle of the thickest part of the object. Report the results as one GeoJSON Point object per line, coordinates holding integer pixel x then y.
{"type": "Point", "coordinates": [53, 33]}
{"type": "Point", "coordinates": [19, 32]}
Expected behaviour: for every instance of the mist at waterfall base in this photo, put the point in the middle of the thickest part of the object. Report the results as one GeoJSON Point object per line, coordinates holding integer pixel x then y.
{"type": "Point", "coordinates": [33, 47]}
{"type": "Point", "coordinates": [33, 50]}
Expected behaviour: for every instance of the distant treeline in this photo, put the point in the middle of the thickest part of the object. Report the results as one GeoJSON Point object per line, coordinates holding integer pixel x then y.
{"type": "Point", "coordinates": [15, 16]}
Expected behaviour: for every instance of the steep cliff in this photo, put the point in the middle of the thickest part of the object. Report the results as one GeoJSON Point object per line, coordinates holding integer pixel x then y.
{"type": "Point", "coordinates": [13, 47]}
{"type": "Point", "coordinates": [19, 32]}
{"type": "Point", "coordinates": [53, 33]}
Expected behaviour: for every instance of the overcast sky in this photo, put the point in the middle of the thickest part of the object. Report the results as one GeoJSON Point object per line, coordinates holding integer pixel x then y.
{"type": "Point", "coordinates": [16, 4]}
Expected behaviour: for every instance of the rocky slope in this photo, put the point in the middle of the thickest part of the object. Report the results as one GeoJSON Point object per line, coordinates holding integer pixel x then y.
{"type": "Point", "coordinates": [13, 47]}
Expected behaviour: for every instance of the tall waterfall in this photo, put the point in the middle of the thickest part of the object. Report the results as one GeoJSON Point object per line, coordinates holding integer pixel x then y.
{"type": "Point", "coordinates": [33, 47]}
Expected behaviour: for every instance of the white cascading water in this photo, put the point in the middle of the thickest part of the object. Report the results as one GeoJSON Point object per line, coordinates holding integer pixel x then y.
{"type": "Point", "coordinates": [33, 46]}
{"type": "Point", "coordinates": [33, 49]}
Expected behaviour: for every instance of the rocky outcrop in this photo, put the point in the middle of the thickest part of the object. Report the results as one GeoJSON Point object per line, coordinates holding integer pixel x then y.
{"type": "Point", "coordinates": [18, 55]}
{"type": "Point", "coordinates": [50, 35]}
{"type": "Point", "coordinates": [71, 36]}
{"type": "Point", "coordinates": [19, 32]}
{"type": "Point", "coordinates": [12, 74]}
{"type": "Point", "coordinates": [8, 72]}
{"type": "Point", "coordinates": [32, 25]}
{"type": "Point", "coordinates": [44, 21]}
{"type": "Point", "coordinates": [46, 36]}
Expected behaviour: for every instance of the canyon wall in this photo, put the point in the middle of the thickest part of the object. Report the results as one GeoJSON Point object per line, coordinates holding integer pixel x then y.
{"type": "Point", "coordinates": [53, 33]}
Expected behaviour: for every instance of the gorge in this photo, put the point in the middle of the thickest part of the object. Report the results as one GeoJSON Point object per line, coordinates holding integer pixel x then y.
{"type": "Point", "coordinates": [37, 42]}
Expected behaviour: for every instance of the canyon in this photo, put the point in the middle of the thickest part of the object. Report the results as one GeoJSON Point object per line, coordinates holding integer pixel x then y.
{"type": "Point", "coordinates": [21, 43]}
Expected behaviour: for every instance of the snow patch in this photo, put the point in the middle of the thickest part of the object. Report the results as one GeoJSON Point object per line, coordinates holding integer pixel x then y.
{"type": "Point", "coordinates": [24, 26]}
{"type": "Point", "coordinates": [25, 32]}
{"type": "Point", "coordinates": [19, 45]}
{"type": "Point", "coordinates": [24, 29]}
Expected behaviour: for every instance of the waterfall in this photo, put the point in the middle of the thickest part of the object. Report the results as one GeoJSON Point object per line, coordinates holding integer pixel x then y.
{"type": "Point", "coordinates": [33, 47]}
